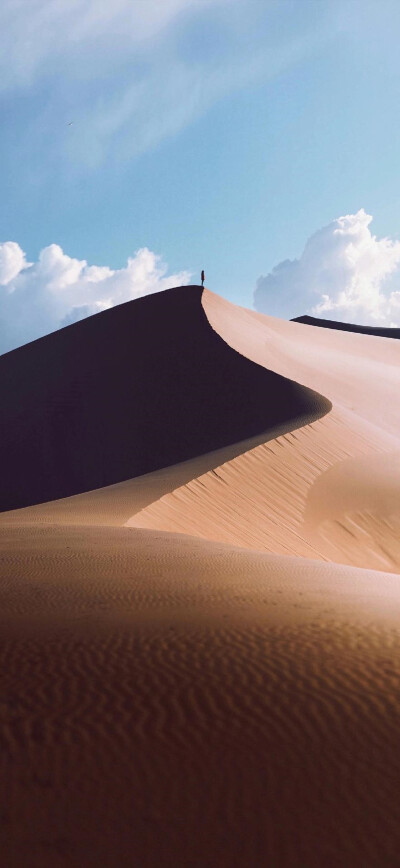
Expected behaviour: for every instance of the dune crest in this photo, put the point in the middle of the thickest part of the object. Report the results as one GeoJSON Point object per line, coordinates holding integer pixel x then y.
{"type": "Point", "coordinates": [136, 388]}
{"type": "Point", "coordinates": [263, 501]}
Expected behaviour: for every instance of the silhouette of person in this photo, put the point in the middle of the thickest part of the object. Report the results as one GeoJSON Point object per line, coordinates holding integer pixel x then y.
{"type": "Point", "coordinates": [202, 278]}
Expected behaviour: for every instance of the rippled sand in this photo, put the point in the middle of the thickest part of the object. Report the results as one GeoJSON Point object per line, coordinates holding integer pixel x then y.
{"type": "Point", "coordinates": [168, 701]}
{"type": "Point", "coordinates": [330, 489]}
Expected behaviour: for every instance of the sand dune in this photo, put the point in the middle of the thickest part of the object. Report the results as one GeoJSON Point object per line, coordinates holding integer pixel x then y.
{"type": "Point", "coordinates": [259, 492]}
{"type": "Point", "coordinates": [355, 371]}
{"type": "Point", "coordinates": [113, 505]}
{"type": "Point", "coordinates": [271, 498]}
{"type": "Point", "coordinates": [131, 390]}
{"type": "Point", "coordinates": [218, 694]}
{"type": "Point", "coordinates": [262, 498]}
{"type": "Point", "coordinates": [168, 701]}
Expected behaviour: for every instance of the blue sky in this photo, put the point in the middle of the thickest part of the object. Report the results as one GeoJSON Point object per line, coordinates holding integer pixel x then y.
{"type": "Point", "coordinates": [224, 134]}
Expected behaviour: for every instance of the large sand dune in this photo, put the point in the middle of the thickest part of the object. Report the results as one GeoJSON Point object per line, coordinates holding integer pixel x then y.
{"type": "Point", "coordinates": [289, 495]}
{"type": "Point", "coordinates": [133, 389]}
{"type": "Point", "coordinates": [203, 686]}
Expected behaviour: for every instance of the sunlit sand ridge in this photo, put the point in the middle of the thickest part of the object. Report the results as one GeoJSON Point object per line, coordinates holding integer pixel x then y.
{"type": "Point", "coordinates": [301, 493]}
{"type": "Point", "coordinates": [170, 700]}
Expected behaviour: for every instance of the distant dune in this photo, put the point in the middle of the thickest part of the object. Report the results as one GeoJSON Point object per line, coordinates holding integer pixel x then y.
{"type": "Point", "coordinates": [139, 387]}
{"type": "Point", "coordinates": [195, 672]}
{"type": "Point", "coordinates": [378, 331]}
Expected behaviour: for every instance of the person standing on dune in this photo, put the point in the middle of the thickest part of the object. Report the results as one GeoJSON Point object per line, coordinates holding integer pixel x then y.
{"type": "Point", "coordinates": [202, 278]}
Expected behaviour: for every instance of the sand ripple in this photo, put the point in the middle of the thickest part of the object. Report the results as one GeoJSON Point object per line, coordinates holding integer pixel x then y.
{"type": "Point", "coordinates": [167, 701]}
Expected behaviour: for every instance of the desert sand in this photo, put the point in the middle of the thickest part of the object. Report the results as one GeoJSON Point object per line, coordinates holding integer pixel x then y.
{"type": "Point", "coordinates": [301, 492]}
{"type": "Point", "coordinates": [200, 623]}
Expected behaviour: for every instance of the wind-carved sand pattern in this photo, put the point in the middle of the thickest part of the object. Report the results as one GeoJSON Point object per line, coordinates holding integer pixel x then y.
{"type": "Point", "coordinates": [260, 498]}
{"type": "Point", "coordinates": [160, 690]}
{"type": "Point", "coordinates": [171, 696]}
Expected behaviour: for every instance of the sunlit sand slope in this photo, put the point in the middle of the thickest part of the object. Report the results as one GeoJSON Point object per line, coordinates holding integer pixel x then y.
{"type": "Point", "coordinates": [355, 371]}
{"type": "Point", "coordinates": [172, 702]}
{"type": "Point", "coordinates": [139, 387]}
{"type": "Point", "coordinates": [115, 504]}
{"type": "Point", "coordinates": [260, 499]}
{"type": "Point", "coordinates": [284, 496]}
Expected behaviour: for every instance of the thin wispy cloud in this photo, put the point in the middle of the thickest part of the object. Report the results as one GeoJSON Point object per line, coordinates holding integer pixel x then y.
{"type": "Point", "coordinates": [132, 74]}
{"type": "Point", "coordinates": [37, 36]}
{"type": "Point", "coordinates": [345, 273]}
{"type": "Point", "coordinates": [57, 290]}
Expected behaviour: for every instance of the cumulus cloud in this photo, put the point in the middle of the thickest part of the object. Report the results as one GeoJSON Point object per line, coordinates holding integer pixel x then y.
{"type": "Point", "coordinates": [57, 290]}
{"type": "Point", "coordinates": [12, 261]}
{"type": "Point", "coordinates": [345, 273]}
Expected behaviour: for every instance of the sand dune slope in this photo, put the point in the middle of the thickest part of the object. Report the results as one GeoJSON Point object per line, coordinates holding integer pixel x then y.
{"type": "Point", "coordinates": [283, 496]}
{"type": "Point", "coordinates": [355, 371]}
{"type": "Point", "coordinates": [113, 505]}
{"type": "Point", "coordinates": [167, 701]}
{"type": "Point", "coordinates": [297, 491]}
{"type": "Point", "coordinates": [173, 699]}
{"type": "Point", "coordinates": [139, 387]}
{"type": "Point", "coordinates": [279, 497]}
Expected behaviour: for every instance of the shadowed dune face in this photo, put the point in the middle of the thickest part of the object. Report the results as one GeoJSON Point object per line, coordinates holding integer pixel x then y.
{"type": "Point", "coordinates": [262, 498]}
{"type": "Point", "coordinates": [135, 388]}
{"type": "Point", "coordinates": [378, 331]}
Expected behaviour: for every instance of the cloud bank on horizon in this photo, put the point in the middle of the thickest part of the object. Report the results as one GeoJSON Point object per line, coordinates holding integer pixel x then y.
{"type": "Point", "coordinates": [344, 273]}
{"type": "Point", "coordinates": [57, 290]}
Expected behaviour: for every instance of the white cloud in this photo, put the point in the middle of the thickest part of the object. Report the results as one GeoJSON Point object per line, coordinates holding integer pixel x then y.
{"type": "Point", "coordinates": [12, 261]}
{"type": "Point", "coordinates": [39, 297]}
{"type": "Point", "coordinates": [344, 273]}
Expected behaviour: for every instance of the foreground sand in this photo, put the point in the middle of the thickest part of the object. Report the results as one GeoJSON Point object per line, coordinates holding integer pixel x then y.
{"type": "Point", "coordinates": [168, 701]}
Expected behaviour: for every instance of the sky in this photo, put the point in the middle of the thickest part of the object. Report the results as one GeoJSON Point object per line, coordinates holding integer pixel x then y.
{"type": "Point", "coordinates": [143, 141]}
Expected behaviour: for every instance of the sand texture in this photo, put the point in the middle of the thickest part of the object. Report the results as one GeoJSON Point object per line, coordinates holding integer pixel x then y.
{"type": "Point", "coordinates": [169, 701]}
{"type": "Point", "coordinates": [301, 493]}
{"type": "Point", "coordinates": [195, 671]}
